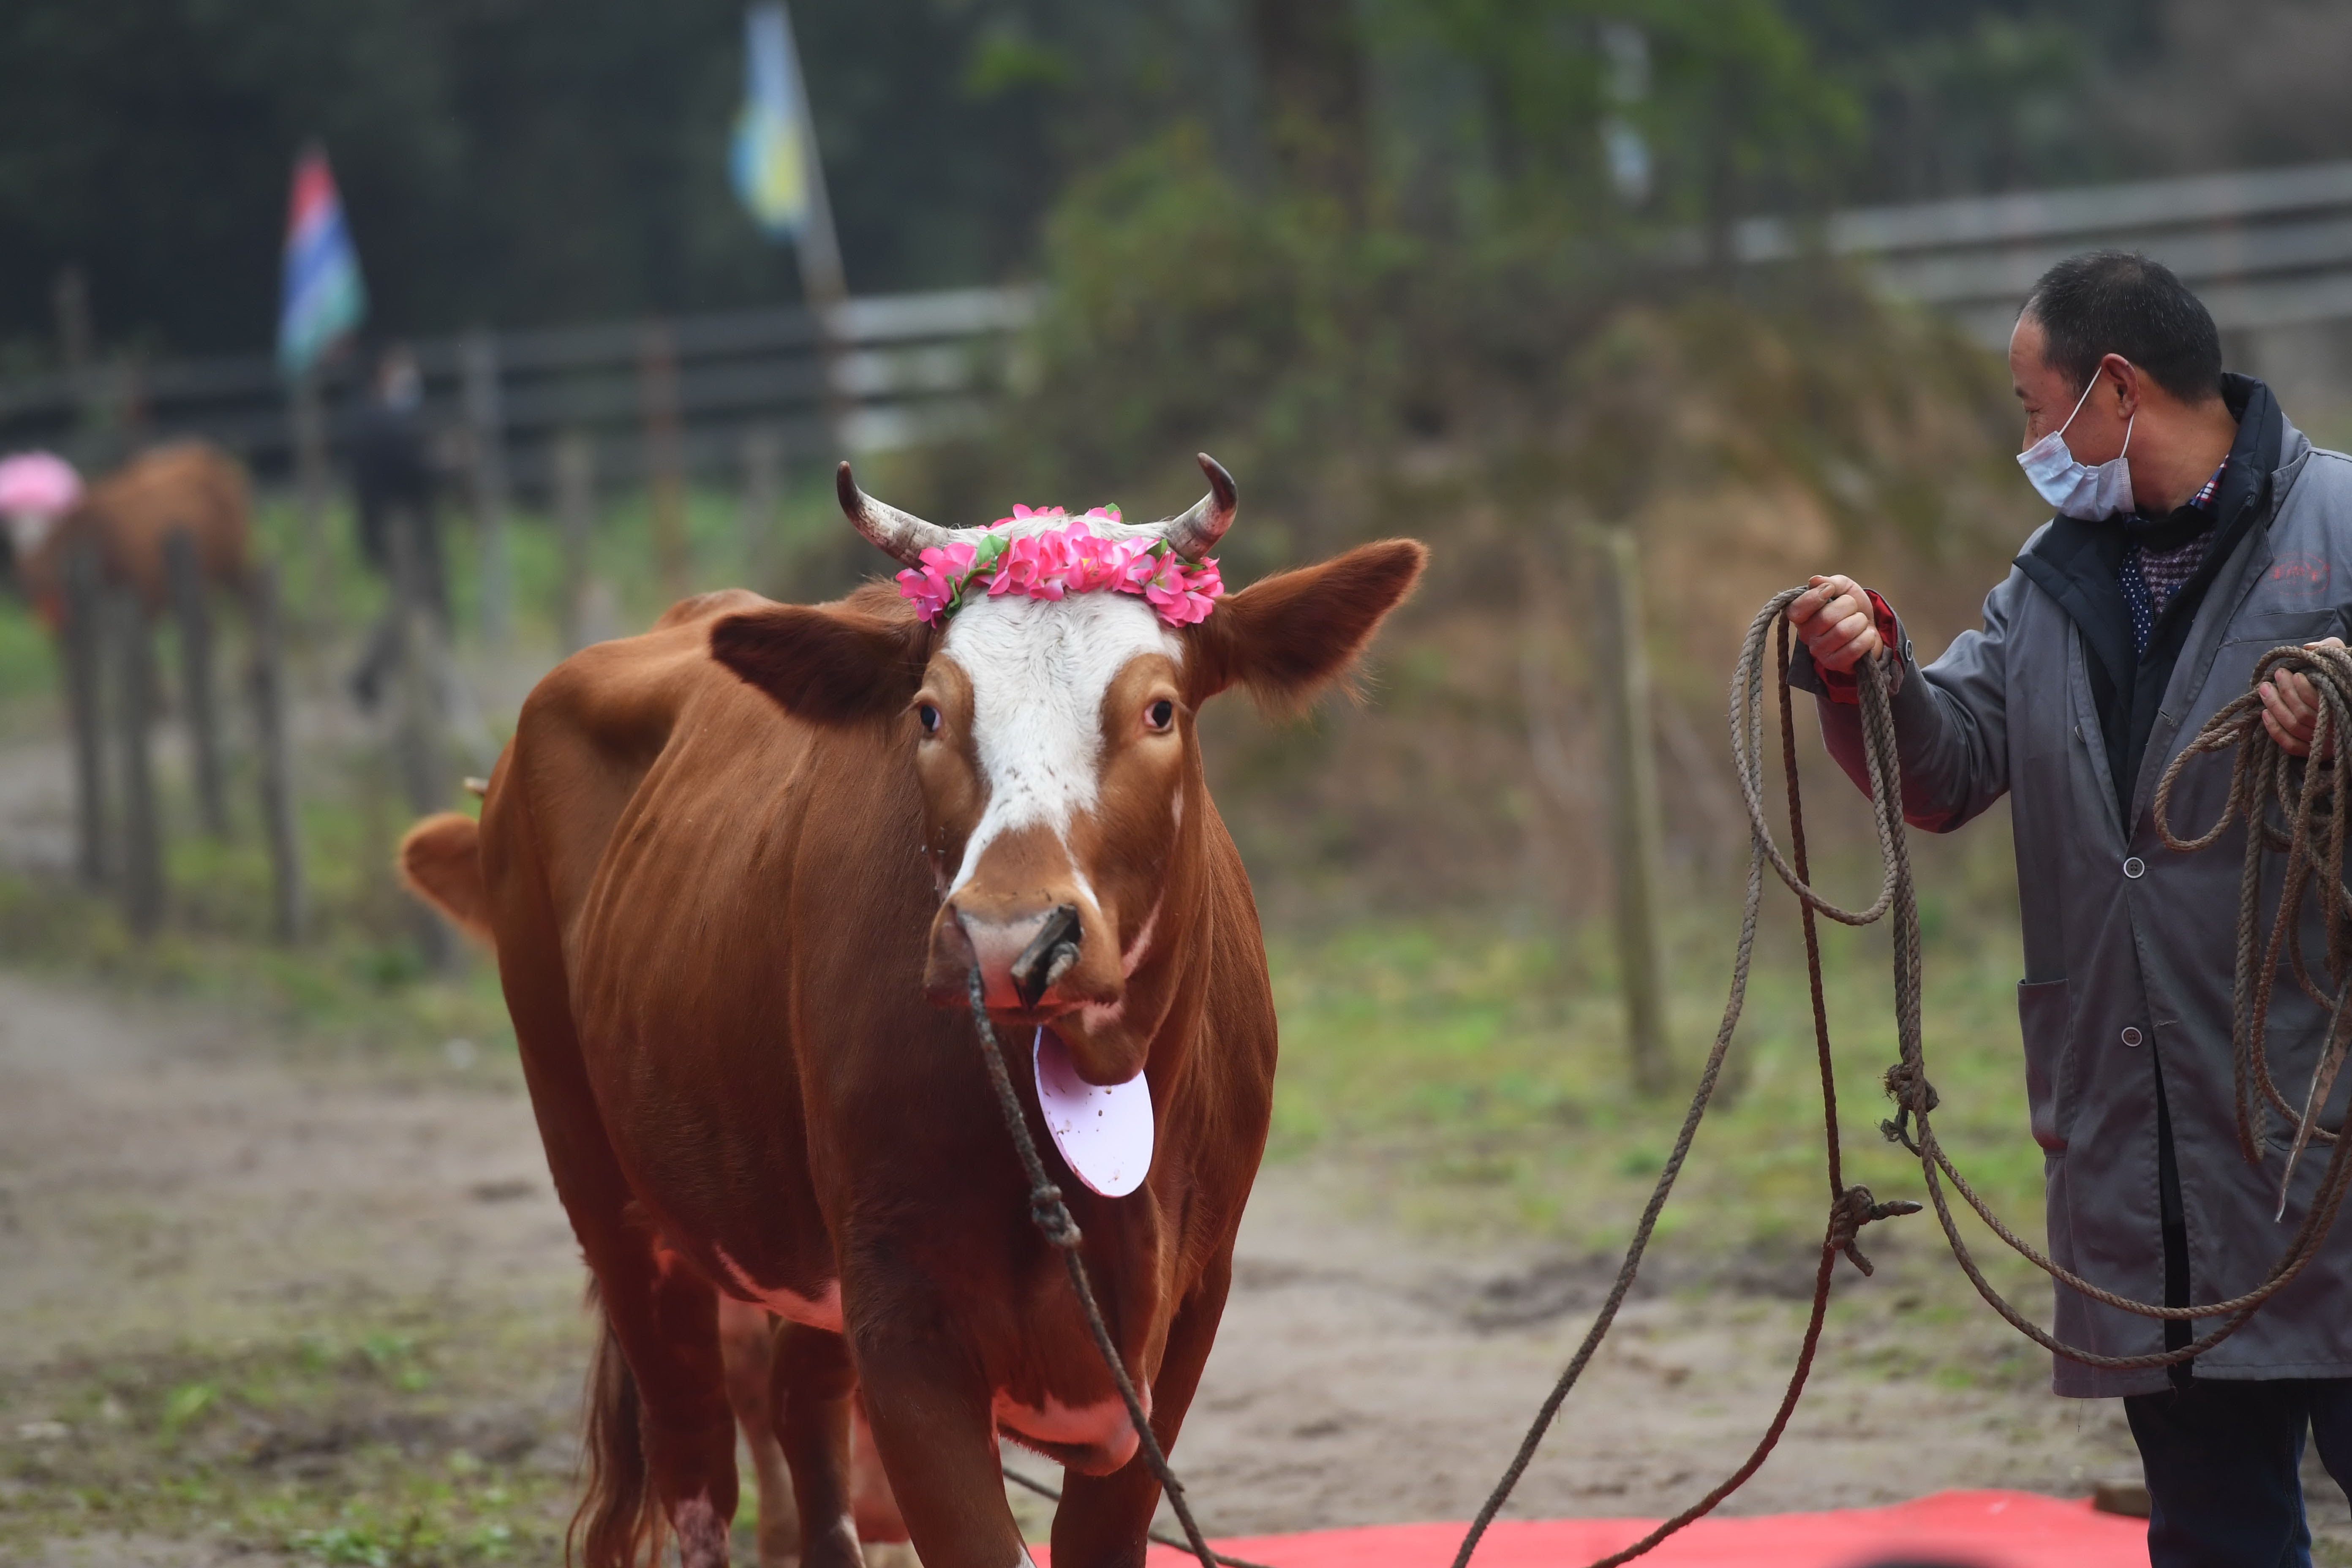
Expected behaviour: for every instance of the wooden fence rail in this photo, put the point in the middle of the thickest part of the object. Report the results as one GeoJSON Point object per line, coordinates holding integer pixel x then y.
{"type": "Point", "coordinates": [2270, 250]}
{"type": "Point", "coordinates": [908, 366]}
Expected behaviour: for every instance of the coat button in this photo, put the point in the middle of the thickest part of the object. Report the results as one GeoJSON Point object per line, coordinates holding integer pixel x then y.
{"type": "Point", "coordinates": [2131, 1034]}
{"type": "Point", "coordinates": [2134, 867]}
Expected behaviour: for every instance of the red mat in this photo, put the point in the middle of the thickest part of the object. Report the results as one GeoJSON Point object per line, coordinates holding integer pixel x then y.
{"type": "Point", "coordinates": [1964, 1529]}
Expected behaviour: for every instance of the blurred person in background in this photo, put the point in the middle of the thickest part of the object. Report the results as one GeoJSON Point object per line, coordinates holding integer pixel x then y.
{"type": "Point", "coordinates": [2197, 528]}
{"type": "Point", "coordinates": [393, 482]}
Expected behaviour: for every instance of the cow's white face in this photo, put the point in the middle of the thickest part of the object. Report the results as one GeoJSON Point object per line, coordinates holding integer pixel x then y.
{"type": "Point", "coordinates": [1052, 754]}
{"type": "Point", "coordinates": [1038, 672]}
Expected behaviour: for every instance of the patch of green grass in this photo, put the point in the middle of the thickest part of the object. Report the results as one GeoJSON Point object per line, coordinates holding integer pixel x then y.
{"type": "Point", "coordinates": [340, 1451]}
{"type": "Point", "coordinates": [355, 979]}
{"type": "Point", "coordinates": [1479, 1077]}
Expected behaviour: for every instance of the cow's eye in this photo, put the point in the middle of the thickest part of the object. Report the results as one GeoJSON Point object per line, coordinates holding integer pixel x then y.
{"type": "Point", "coordinates": [1161, 714]}
{"type": "Point", "coordinates": [929, 717]}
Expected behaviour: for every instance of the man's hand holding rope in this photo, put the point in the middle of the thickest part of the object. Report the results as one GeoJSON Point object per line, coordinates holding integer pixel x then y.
{"type": "Point", "coordinates": [2291, 705]}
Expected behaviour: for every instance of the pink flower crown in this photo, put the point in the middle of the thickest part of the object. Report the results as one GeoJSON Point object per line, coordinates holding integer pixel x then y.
{"type": "Point", "coordinates": [1071, 559]}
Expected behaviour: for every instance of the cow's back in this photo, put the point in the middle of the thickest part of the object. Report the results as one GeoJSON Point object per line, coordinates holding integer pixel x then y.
{"type": "Point", "coordinates": [182, 486]}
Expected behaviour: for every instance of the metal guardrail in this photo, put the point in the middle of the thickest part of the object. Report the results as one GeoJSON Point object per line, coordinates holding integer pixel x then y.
{"type": "Point", "coordinates": [2263, 248]}
{"type": "Point", "coordinates": [904, 368]}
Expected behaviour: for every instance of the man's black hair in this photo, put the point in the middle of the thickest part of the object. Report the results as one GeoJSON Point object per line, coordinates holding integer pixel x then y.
{"type": "Point", "coordinates": [2117, 302]}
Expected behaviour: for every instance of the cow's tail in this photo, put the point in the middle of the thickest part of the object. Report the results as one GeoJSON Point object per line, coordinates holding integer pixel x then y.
{"type": "Point", "coordinates": [620, 1523]}
{"type": "Point", "coordinates": [441, 862]}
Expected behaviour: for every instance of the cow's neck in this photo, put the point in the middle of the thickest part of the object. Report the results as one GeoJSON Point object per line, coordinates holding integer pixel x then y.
{"type": "Point", "coordinates": [1168, 989]}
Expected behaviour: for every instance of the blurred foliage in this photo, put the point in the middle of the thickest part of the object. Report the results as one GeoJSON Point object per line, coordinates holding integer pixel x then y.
{"type": "Point", "coordinates": [1356, 374]}
{"type": "Point", "coordinates": [518, 162]}
{"type": "Point", "coordinates": [522, 161]}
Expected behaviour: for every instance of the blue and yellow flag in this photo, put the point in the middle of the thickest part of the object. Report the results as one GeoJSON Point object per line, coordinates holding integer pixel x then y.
{"type": "Point", "coordinates": [768, 160]}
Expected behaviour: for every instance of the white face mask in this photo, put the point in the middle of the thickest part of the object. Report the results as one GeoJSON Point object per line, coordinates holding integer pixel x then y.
{"type": "Point", "coordinates": [2090, 494]}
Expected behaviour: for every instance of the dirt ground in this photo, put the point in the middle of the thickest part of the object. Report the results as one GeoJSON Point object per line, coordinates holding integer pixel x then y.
{"type": "Point", "coordinates": [179, 1191]}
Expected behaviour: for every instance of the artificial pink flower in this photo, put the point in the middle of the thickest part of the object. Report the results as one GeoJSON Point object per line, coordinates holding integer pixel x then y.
{"type": "Point", "coordinates": [933, 586]}
{"type": "Point", "coordinates": [1035, 567]}
{"type": "Point", "coordinates": [1097, 563]}
{"type": "Point", "coordinates": [1183, 595]}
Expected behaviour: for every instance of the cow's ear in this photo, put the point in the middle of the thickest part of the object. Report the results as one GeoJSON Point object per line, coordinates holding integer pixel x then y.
{"type": "Point", "coordinates": [1291, 635]}
{"type": "Point", "coordinates": [825, 666]}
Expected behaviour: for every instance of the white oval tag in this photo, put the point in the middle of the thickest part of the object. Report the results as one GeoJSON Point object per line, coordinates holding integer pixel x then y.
{"type": "Point", "coordinates": [1104, 1132]}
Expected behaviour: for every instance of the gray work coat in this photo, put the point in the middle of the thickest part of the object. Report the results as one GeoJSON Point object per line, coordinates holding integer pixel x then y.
{"type": "Point", "coordinates": [2129, 946]}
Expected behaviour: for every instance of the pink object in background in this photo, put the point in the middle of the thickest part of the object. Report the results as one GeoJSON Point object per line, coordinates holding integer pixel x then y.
{"type": "Point", "coordinates": [39, 484]}
{"type": "Point", "coordinates": [1103, 1131]}
{"type": "Point", "coordinates": [1966, 1529]}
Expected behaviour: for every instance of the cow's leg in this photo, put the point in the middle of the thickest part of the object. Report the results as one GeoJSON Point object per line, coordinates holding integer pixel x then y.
{"type": "Point", "coordinates": [881, 1528]}
{"type": "Point", "coordinates": [746, 1342]}
{"type": "Point", "coordinates": [929, 1408]}
{"type": "Point", "coordinates": [813, 1386]}
{"type": "Point", "coordinates": [1102, 1519]}
{"type": "Point", "coordinates": [666, 1319]}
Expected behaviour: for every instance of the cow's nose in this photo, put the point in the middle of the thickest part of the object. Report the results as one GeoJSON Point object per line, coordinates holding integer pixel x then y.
{"type": "Point", "coordinates": [1020, 956]}
{"type": "Point", "coordinates": [1048, 956]}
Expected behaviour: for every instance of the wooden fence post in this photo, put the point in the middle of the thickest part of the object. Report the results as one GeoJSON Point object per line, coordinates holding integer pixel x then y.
{"type": "Point", "coordinates": [189, 609]}
{"type": "Point", "coordinates": [267, 685]}
{"type": "Point", "coordinates": [664, 459]}
{"type": "Point", "coordinates": [308, 416]}
{"type": "Point", "coordinates": [416, 729]}
{"type": "Point", "coordinates": [84, 642]}
{"type": "Point", "coordinates": [1636, 830]}
{"type": "Point", "coordinates": [132, 657]}
{"type": "Point", "coordinates": [763, 466]}
{"type": "Point", "coordinates": [486, 425]}
{"type": "Point", "coordinates": [575, 529]}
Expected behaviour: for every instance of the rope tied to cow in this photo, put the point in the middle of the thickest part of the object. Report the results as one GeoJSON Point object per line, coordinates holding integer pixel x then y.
{"type": "Point", "coordinates": [1050, 1215]}
{"type": "Point", "coordinates": [2308, 795]}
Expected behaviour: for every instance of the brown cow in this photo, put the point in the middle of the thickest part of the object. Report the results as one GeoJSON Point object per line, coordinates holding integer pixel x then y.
{"type": "Point", "coordinates": [736, 870]}
{"type": "Point", "coordinates": [182, 485]}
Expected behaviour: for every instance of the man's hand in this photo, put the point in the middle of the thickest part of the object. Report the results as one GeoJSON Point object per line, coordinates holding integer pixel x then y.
{"type": "Point", "coordinates": [1840, 628]}
{"type": "Point", "coordinates": [2290, 707]}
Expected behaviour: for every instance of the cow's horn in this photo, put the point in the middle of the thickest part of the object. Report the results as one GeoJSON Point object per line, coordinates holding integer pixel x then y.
{"type": "Point", "coordinates": [899, 534]}
{"type": "Point", "coordinates": [1196, 532]}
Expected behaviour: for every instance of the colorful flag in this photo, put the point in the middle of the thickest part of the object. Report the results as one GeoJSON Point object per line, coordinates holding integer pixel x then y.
{"type": "Point", "coordinates": [768, 157]}
{"type": "Point", "coordinates": [324, 296]}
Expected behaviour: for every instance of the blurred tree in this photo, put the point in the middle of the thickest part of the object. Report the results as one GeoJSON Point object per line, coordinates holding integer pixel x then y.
{"type": "Point", "coordinates": [1721, 102]}
{"type": "Point", "coordinates": [1985, 95]}
{"type": "Point", "coordinates": [1310, 84]}
{"type": "Point", "coordinates": [1744, 116]}
{"type": "Point", "coordinates": [520, 160]}
{"type": "Point", "coordinates": [150, 142]}
{"type": "Point", "coordinates": [514, 161]}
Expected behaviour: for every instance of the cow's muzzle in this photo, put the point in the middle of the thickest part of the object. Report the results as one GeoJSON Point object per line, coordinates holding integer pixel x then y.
{"type": "Point", "coordinates": [1035, 962]}
{"type": "Point", "coordinates": [1051, 953]}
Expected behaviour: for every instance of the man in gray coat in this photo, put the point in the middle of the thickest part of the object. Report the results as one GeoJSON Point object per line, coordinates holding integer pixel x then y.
{"type": "Point", "coordinates": [2197, 529]}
